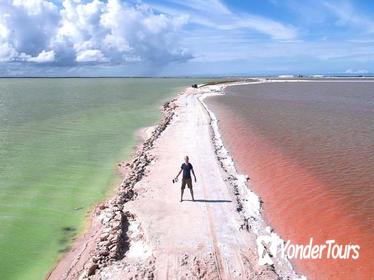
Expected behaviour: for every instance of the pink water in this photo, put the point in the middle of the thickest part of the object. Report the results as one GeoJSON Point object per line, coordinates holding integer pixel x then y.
{"type": "Point", "coordinates": [309, 151]}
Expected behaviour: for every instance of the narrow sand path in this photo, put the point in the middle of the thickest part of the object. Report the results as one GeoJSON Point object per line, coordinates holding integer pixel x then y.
{"type": "Point", "coordinates": [189, 240]}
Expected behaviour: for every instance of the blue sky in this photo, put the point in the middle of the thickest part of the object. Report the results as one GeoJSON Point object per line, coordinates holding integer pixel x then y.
{"type": "Point", "coordinates": [177, 38]}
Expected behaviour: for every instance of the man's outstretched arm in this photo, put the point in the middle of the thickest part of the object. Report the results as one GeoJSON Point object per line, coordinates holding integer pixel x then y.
{"type": "Point", "coordinates": [178, 174]}
{"type": "Point", "coordinates": [193, 173]}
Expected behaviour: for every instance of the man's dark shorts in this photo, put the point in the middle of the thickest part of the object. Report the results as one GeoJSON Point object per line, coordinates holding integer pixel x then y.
{"type": "Point", "coordinates": [187, 182]}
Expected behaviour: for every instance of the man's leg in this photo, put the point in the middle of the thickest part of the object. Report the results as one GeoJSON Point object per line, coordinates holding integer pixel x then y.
{"type": "Point", "coordinates": [182, 188]}
{"type": "Point", "coordinates": [191, 191]}
{"type": "Point", "coordinates": [190, 187]}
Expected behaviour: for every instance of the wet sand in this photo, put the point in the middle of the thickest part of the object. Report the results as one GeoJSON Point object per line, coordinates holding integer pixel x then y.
{"type": "Point", "coordinates": [307, 148]}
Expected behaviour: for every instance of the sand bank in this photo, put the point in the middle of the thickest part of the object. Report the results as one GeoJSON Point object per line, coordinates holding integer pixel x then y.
{"type": "Point", "coordinates": [145, 232]}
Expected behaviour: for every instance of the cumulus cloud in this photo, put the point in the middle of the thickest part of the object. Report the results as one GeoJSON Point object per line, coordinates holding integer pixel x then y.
{"type": "Point", "coordinates": [43, 57]}
{"type": "Point", "coordinates": [26, 28]}
{"type": "Point", "coordinates": [90, 56]}
{"type": "Point", "coordinates": [96, 31]}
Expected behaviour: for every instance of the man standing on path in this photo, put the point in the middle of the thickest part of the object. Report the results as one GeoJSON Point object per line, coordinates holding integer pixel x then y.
{"type": "Point", "coordinates": [186, 178]}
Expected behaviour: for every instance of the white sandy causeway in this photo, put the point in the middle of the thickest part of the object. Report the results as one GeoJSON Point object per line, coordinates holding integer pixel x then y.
{"type": "Point", "coordinates": [144, 232]}
{"type": "Point", "coordinates": [211, 238]}
{"type": "Point", "coordinates": [189, 240]}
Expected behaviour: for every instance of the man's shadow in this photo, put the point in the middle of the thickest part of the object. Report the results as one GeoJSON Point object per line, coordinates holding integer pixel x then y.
{"type": "Point", "coordinates": [209, 200]}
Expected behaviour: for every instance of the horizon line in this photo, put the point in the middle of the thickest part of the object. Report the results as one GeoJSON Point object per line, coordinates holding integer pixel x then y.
{"type": "Point", "coordinates": [327, 75]}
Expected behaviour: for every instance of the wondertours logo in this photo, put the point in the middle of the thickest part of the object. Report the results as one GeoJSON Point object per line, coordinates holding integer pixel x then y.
{"type": "Point", "coordinates": [269, 247]}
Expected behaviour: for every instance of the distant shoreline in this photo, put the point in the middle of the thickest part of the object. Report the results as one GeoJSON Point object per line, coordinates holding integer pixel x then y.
{"type": "Point", "coordinates": [239, 77]}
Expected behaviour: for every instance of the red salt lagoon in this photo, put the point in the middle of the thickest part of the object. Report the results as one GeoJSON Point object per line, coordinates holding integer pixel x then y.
{"type": "Point", "coordinates": [308, 148]}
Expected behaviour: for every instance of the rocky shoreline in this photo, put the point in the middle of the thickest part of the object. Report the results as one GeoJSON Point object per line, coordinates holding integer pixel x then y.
{"type": "Point", "coordinates": [113, 242]}
{"type": "Point", "coordinates": [107, 240]}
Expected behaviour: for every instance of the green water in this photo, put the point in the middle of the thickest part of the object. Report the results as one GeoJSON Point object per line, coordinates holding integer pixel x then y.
{"type": "Point", "coordinates": [60, 140]}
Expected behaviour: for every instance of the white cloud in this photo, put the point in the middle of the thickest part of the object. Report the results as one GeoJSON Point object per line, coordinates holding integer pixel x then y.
{"type": "Point", "coordinates": [27, 26]}
{"type": "Point", "coordinates": [7, 53]}
{"type": "Point", "coordinates": [216, 7]}
{"type": "Point", "coordinates": [34, 7]}
{"type": "Point", "coordinates": [215, 14]}
{"type": "Point", "coordinates": [360, 71]}
{"type": "Point", "coordinates": [347, 15]}
{"type": "Point", "coordinates": [91, 56]}
{"type": "Point", "coordinates": [93, 31]}
{"type": "Point", "coordinates": [131, 35]}
{"type": "Point", "coordinates": [263, 25]}
{"type": "Point", "coordinates": [43, 57]}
